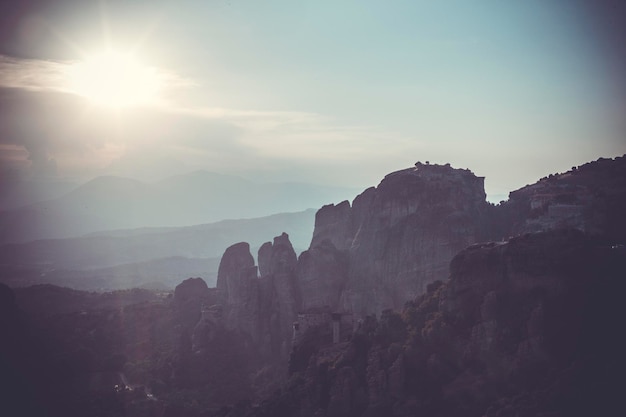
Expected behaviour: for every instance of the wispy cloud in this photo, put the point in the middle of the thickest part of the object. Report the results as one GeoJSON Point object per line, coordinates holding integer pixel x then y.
{"type": "Point", "coordinates": [229, 140]}
{"type": "Point", "coordinates": [303, 135]}
{"type": "Point", "coordinates": [32, 74]}
{"type": "Point", "coordinates": [42, 75]}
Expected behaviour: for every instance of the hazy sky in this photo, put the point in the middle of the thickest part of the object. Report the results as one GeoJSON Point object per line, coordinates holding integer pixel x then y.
{"type": "Point", "coordinates": [321, 91]}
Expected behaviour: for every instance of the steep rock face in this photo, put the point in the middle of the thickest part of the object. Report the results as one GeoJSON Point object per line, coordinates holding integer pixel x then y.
{"type": "Point", "coordinates": [236, 266]}
{"type": "Point", "coordinates": [264, 257]}
{"type": "Point", "coordinates": [401, 235]}
{"type": "Point", "coordinates": [281, 298]}
{"type": "Point", "coordinates": [277, 258]}
{"type": "Point", "coordinates": [321, 276]}
{"type": "Point", "coordinates": [526, 328]}
{"type": "Point", "coordinates": [333, 223]}
{"type": "Point", "coordinates": [492, 332]}
{"type": "Point", "coordinates": [263, 308]}
{"type": "Point", "coordinates": [238, 287]}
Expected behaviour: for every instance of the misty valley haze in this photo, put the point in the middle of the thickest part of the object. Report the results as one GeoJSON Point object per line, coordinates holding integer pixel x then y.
{"type": "Point", "coordinates": [114, 232]}
{"type": "Point", "coordinates": [108, 203]}
{"type": "Point", "coordinates": [150, 257]}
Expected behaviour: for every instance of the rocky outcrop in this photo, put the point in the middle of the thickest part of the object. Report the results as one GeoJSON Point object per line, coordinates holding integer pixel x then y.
{"type": "Point", "coordinates": [397, 237]}
{"type": "Point", "coordinates": [189, 297]}
{"type": "Point", "coordinates": [321, 276]}
{"type": "Point", "coordinates": [278, 258]}
{"type": "Point", "coordinates": [528, 327]}
{"type": "Point", "coordinates": [378, 253]}
{"type": "Point", "coordinates": [235, 271]}
{"type": "Point", "coordinates": [590, 198]}
{"type": "Point", "coordinates": [401, 235]}
{"type": "Point", "coordinates": [263, 307]}
{"type": "Point", "coordinates": [238, 287]}
{"type": "Point", "coordinates": [492, 337]}
{"type": "Point", "coordinates": [281, 300]}
{"type": "Point", "coordinates": [264, 257]}
{"type": "Point", "coordinates": [334, 223]}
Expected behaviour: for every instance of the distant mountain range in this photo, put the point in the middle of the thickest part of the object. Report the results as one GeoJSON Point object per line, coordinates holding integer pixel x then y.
{"type": "Point", "coordinates": [108, 203]}
{"type": "Point", "coordinates": [148, 257]}
{"type": "Point", "coordinates": [15, 193]}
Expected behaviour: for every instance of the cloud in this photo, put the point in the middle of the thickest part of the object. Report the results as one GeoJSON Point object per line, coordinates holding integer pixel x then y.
{"type": "Point", "coordinates": [49, 75]}
{"type": "Point", "coordinates": [302, 135]}
{"type": "Point", "coordinates": [38, 113]}
{"type": "Point", "coordinates": [28, 122]}
{"type": "Point", "coordinates": [62, 132]}
{"type": "Point", "coordinates": [13, 161]}
{"type": "Point", "coordinates": [32, 74]}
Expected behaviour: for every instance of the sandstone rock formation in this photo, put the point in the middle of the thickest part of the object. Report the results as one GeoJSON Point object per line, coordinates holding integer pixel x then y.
{"type": "Point", "coordinates": [398, 237]}
{"type": "Point", "coordinates": [278, 296]}
{"type": "Point", "coordinates": [280, 282]}
{"type": "Point", "coordinates": [321, 276]}
{"type": "Point", "coordinates": [590, 197]}
{"type": "Point", "coordinates": [378, 253]}
{"type": "Point", "coordinates": [528, 327]}
{"type": "Point", "coordinates": [238, 287]}
{"type": "Point", "coordinates": [235, 270]}
{"type": "Point", "coordinates": [261, 308]}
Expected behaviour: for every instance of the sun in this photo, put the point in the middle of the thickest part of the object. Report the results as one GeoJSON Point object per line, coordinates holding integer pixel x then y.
{"type": "Point", "coordinates": [115, 79]}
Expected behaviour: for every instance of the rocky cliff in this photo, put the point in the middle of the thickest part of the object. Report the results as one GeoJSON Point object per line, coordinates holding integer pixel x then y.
{"type": "Point", "coordinates": [378, 253]}
{"type": "Point", "coordinates": [529, 327]}
{"type": "Point", "coordinates": [590, 197]}
{"type": "Point", "coordinates": [397, 237]}
{"type": "Point", "coordinates": [260, 307]}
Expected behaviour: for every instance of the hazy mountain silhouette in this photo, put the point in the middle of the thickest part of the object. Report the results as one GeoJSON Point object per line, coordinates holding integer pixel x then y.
{"type": "Point", "coordinates": [107, 203]}
{"type": "Point", "coordinates": [139, 257]}
{"type": "Point", "coordinates": [15, 193]}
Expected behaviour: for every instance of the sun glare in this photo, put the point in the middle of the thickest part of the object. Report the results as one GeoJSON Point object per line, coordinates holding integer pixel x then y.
{"type": "Point", "coordinates": [114, 79]}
